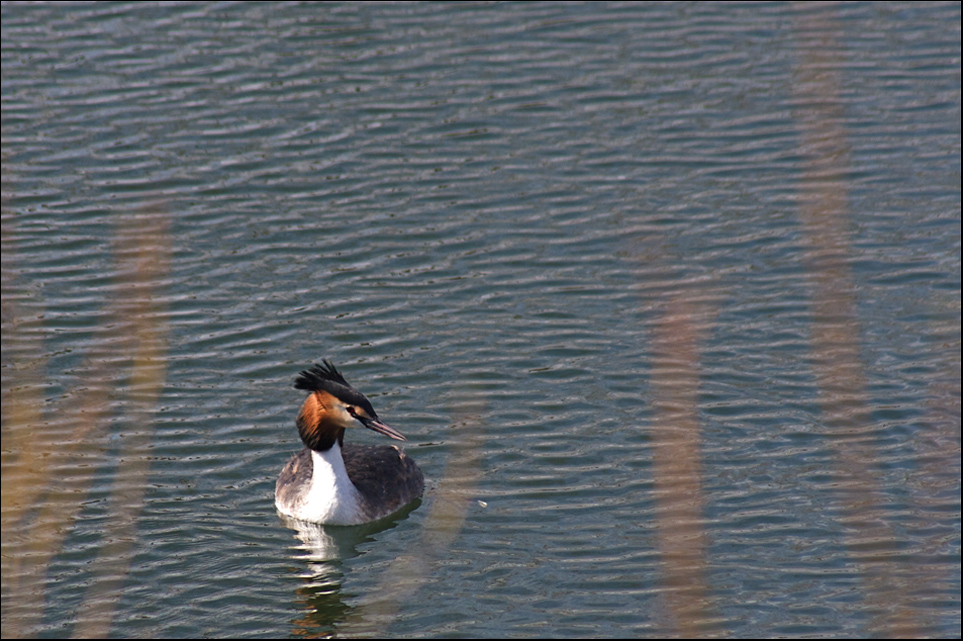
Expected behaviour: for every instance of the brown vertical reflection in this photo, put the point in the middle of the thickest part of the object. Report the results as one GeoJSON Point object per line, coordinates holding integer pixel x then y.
{"type": "Point", "coordinates": [27, 451]}
{"type": "Point", "coordinates": [677, 459]}
{"type": "Point", "coordinates": [46, 475]}
{"type": "Point", "coordinates": [838, 368]}
{"type": "Point", "coordinates": [143, 255]}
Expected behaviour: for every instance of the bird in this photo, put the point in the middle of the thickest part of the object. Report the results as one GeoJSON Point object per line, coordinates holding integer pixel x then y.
{"type": "Point", "coordinates": [336, 483]}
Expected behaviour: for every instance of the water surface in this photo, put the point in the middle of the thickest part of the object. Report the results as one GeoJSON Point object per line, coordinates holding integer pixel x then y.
{"type": "Point", "coordinates": [666, 298]}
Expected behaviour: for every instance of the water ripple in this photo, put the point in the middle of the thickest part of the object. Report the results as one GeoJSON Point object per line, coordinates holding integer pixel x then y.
{"type": "Point", "coordinates": [666, 297]}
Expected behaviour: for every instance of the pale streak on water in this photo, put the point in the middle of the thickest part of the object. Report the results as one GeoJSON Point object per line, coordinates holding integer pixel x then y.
{"type": "Point", "coordinates": [137, 326]}
{"type": "Point", "coordinates": [666, 296]}
{"type": "Point", "coordinates": [676, 461]}
{"type": "Point", "coordinates": [838, 366]}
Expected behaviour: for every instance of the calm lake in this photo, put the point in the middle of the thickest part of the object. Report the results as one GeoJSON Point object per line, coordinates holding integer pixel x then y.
{"type": "Point", "coordinates": [665, 296]}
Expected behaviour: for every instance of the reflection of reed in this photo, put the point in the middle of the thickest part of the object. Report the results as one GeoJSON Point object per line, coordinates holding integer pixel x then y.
{"type": "Point", "coordinates": [839, 370]}
{"type": "Point", "coordinates": [27, 454]}
{"type": "Point", "coordinates": [677, 461]}
{"type": "Point", "coordinates": [446, 517]}
{"type": "Point", "coordinates": [45, 481]}
{"type": "Point", "coordinates": [682, 313]}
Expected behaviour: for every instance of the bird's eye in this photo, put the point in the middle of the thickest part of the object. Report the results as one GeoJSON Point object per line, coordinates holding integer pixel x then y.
{"type": "Point", "coordinates": [352, 411]}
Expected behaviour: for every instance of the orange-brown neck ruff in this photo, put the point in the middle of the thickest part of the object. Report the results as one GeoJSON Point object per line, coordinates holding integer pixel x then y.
{"type": "Point", "coordinates": [318, 432]}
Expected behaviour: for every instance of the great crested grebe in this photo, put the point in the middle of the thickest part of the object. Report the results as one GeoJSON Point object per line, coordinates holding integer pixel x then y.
{"type": "Point", "coordinates": [334, 483]}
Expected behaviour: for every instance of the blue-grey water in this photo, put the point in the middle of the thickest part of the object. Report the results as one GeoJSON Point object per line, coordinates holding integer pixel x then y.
{"type": "Point", "coordinates": [666, 298]}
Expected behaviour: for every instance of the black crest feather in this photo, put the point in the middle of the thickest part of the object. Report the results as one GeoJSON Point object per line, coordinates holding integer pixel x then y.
{"type": "Point", "coordinates": [327, 378]}
{"type": "Point", "coordinates": [320, 378]}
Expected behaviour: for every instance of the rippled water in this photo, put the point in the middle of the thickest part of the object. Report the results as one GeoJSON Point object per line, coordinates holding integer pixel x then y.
{"type": "Point", "coordinates": [666, 298]}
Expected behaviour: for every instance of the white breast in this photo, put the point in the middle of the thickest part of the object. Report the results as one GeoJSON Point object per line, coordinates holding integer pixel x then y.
{"type": "Point", "coordinates": [330, 497]}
